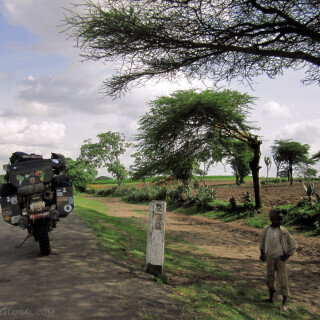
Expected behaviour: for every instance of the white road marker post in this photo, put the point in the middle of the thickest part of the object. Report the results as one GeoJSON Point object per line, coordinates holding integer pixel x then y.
{"type": "Point", "coordinates": [156, 237]}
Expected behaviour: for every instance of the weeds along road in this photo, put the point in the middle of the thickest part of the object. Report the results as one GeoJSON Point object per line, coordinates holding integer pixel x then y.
{"type": "Point", "coordinates": [79, 280]}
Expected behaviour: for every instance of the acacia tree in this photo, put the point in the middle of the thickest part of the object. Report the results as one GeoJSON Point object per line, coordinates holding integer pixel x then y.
{"type": "Point", "coordinates": [290, 153]}
{"type": "Point", "coordinates": [223, 39]}
{"type": "Point", "coordinates": [239, 155]}
{"type": "Point", "coordinates": [106, 153]}
{"type": "Point", "coordinates": [181, 125]}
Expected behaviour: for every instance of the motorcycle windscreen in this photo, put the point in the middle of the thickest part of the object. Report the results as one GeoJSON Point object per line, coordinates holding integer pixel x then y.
{"type": "Point", "coordinates": [31, 172]}
{"type": "Point", "coordinates": [10, 209]}
{"type": "Point", "coordinates": [65, 203]}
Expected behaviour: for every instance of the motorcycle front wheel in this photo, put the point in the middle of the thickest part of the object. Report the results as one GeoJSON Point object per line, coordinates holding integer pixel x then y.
{"type": "Point", "coordinates": [42, 235]}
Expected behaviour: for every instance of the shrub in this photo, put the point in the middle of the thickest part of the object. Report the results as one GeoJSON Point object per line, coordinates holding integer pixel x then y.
{"type": "Point", "coordinates": [122, 191]}
{"type": "Point", "coordinates": [305, 215]}
{"type": "Point", "coordinates": [179, 194]}
{"type": "Point", "coordinates": [233, 203]}
{"type": "Point", "coordinates": [107, 192]}
{"type": "Point", "coordinates": [91, 188]}
{"type": "Point", "coordinates": [203, 197]}
{"type": "Point", "coordinates": [247, 201]}
{"type": "Point", "coordinates": [146, 193]}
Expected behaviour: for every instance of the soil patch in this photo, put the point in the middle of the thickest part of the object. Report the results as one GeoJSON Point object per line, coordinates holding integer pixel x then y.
{"type": "Point", "coordinates": [272, 195]}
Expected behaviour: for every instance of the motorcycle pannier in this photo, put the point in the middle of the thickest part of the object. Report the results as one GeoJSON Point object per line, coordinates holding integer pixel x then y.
{"type": "Point", "coordinates": [10, 209]}
{"type": "Point", "coordinates": [64, 196]}
{"type": "Point", "coordinates": [27, 173]}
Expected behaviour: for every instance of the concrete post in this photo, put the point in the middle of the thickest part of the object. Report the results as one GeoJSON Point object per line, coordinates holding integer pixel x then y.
{"type": "Point", "coordinates": [156, 237]}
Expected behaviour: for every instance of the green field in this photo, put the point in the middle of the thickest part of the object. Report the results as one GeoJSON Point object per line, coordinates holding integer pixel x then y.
{"type": "Point", "coordinates": [150, 180]}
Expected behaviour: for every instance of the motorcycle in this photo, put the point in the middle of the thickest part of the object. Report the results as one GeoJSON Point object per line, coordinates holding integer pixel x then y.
{"type": "Point", "coordinates": [37, 194]}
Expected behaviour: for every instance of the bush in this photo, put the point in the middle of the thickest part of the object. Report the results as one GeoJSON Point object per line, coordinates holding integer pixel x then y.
{"type": "Point", "coordinates": [122, 191]}
{"type": "Point", "coordinates": [147, 193]}
{"type": "Point", "coordinates": [203, 197]}
{"type": "Point", "coordinates": [233, 203]}
{"type": "Point", "coordinates": [91, 188]}
{"type": "Point", "coordinates": [304, 215]}
{"type": "Point", "coordinates": [247, 201]}
{"type": "Point", "coordinates": [107, 192]}
{"type": "Point", "coordinates": [180, 194]}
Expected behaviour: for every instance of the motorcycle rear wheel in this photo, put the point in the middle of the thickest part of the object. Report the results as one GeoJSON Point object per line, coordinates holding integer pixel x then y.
{"type": "Point", "coordinates": [41, 230]}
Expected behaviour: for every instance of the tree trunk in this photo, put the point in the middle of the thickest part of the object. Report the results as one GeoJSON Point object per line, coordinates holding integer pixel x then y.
{"type": "Point", "coordinates": [237, 180]}
{"type": "Point", "coordinates": [255, 167]}
{"type": "Point", "coordinates": [278, 169]}
{"type": "Point", "coordinates": [290, 174]}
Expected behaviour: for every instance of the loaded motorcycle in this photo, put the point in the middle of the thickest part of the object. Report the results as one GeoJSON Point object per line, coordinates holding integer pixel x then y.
{"type": "Point", "coordinates": [36, 195]}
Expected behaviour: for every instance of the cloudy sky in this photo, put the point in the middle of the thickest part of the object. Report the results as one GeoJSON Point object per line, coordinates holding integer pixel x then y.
{"type": "Point", "coordinates": [51, 101]}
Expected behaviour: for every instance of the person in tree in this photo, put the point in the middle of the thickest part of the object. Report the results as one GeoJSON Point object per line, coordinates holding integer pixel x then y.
{"type": "Point", "coordinates": [276, 246]}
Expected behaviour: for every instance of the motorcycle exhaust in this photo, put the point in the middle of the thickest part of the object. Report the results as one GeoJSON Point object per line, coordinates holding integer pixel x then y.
{"type": "Point", "coordinates": [53, 215]}
{"type": "Point", "coordinates": [34, 217]}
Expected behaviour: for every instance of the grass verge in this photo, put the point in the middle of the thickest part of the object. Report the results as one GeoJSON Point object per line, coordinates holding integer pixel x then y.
{"type": "Point", "coordinates": [201, 286]}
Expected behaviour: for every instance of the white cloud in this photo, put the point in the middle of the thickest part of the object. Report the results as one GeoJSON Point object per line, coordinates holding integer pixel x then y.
{"type": "Point", "coordinates": [275, 109]}
{"type": "Point", "coordinates": [22, 132]}
{"type": "Point", "coordinates": [305, 132]}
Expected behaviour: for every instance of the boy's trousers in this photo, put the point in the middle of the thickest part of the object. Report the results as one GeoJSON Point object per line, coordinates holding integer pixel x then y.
{"type": "Point", "coordinates": [277, 272]}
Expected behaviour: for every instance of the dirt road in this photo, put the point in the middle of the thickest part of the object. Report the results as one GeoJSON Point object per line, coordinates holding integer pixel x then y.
{"type": "Point", "coordinates": [79, 280]}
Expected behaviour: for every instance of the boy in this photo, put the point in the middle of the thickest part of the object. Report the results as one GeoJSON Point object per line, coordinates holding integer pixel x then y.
{"type": "Point", "coordinates": [276, 246]}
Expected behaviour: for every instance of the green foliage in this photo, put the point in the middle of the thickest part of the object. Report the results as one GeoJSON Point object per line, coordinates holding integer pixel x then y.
{"type": "Point", "coordinates": [107, 191]}
{"type": "Point", "coordinates": [106, 153]}
{"type": "Point", "coordinates": [304, 216]}
{"type": "Point", "coordinates": [81, 173]}
{"type": "Point", "coordinates": [203, 198]}
{"type": "Point", "coordinates": [232, 210]}
{"type": "Point", "coordinates": [175, 133]}
{"type": "Point", "coordinates": [220, 40]}
{"type": "Point", "coordinates": [274, 180]}
{"type": "Point", "coordinates": [146, 193]}
{"type": "Point", "coordinates": [309, 189]}
{"type": "Point", "coordinates": [239, 155]}
{"type": "Point", "coordinates": [290, 153]}
{"type": "Point", "coordinates": [179, 194]}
